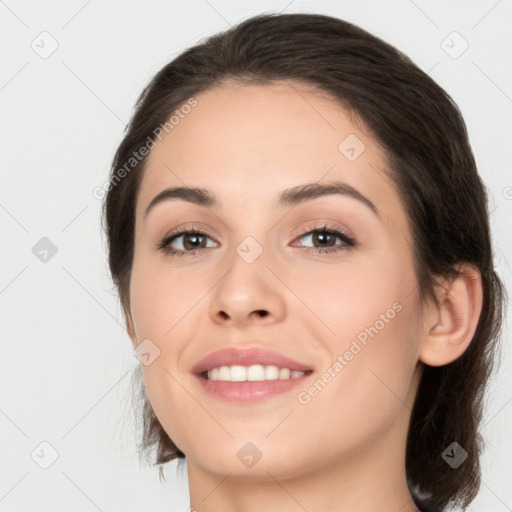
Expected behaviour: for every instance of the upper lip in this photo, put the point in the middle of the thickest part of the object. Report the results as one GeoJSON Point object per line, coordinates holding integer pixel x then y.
{"type": "Point", "coordinates": [247, 357]}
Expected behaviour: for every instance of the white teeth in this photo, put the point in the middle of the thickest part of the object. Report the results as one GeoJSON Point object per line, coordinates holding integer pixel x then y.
{"type": "Point", "coordinates": [255, 372]}
{"type": "Point", "coordinates": [237, 373]}
{"type": "Point", "coordinates": [223, 373]}
{"type": "Point", "coordinates": [271, 372]}
{"type": "Point", "coordinates": [284, 373]}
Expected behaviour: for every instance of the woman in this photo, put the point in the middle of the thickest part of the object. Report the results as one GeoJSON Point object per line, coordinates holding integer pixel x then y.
{"type": "Point", "coordinates": [300, 241]}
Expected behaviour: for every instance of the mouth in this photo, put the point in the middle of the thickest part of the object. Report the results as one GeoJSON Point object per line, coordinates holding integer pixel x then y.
{"type": "Point", "coordinates": [253, 373]}
{"type": "Point", "coordinates": [249, 375]}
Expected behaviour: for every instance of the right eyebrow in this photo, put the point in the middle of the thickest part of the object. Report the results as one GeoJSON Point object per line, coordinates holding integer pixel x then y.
{"type": "Point", "coordinates": [198, 196]}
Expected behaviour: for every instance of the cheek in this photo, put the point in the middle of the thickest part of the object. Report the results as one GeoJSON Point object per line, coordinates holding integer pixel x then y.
{"type": "Point", "coordinates": [354, 296]}
{"type": "Point", "coordinates": [164, 313]}
{"type": "Point", "coordinates": [366, 388]}
{"type": "Point", "coordinates": [170, 404]}
{"type": "Point", "coordinates": [161, 303]}
{"type": "Point", "coordinates": [372, 313]}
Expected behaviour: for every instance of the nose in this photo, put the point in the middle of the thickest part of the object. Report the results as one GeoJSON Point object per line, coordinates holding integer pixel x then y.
{"type": "Point", "coordinates": [248, 294]}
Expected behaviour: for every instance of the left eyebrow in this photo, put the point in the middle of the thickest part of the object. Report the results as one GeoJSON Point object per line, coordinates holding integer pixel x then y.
{"type": "Point", "coordinates": [292, 196]}
{"type": "Point", "coordinates": [310, 191]}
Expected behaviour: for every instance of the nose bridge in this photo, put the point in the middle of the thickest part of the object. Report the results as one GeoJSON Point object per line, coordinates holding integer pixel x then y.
{"type": "Point", "coordinates": [248, 289]}
{"type": "Point", "coordinates": [247, 274]}
{"type": "Point", "coordinates": [251, 245]}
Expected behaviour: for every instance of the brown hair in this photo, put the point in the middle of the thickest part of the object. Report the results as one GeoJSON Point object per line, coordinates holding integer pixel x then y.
{"type": "Point", "coordinates": [431, 163]}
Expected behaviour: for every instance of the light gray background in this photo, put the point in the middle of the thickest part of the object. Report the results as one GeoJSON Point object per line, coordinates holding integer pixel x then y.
{"type": "Point", "coordinates": [66, 361]}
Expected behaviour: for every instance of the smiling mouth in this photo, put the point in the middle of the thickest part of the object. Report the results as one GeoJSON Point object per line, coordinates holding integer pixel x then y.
{"type": "Point", "coordinates": [252, 373]}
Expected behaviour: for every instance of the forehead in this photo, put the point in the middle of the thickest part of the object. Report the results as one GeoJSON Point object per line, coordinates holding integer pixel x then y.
{"type": "Point", "coordinates": [265, 122]}
{"type": "Point", "coordinates": [249, 142]}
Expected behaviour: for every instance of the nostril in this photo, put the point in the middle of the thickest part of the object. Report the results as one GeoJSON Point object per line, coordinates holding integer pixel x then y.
{"type": "Point", "coordinates": [262, 312]}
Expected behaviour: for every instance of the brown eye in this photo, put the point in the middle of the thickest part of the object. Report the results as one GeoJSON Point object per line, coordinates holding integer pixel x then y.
{"type": "Point", "coordinates": [324, 238]}
{"type": "Point", "coordinates": [193, 241]}
{"type": "Point", "coordinates": [184, 243]}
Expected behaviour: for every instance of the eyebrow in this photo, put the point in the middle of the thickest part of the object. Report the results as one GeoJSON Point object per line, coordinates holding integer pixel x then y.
{"type": "Point", "coordinates": [290, 197]}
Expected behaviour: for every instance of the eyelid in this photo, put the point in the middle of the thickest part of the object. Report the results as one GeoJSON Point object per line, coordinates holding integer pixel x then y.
{"type": "Point", "coordinates": [317, 225]}
{"type": "Point", "coordinates": [192, 227]}
{"type": "Point", "coordinates": [314, 225]}
{"type": "Point", "coordinates": [320, 224]}
{"type": "Point", "coordinates": [183, 230]}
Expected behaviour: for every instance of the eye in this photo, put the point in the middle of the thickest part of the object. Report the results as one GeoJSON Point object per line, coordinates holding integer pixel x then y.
{"type": "Point", "coordinates": [190, 241]}
{"type": "Point", "coordinates": [183, 242]}
{"type": "Point", "coordinates": [326, 237]}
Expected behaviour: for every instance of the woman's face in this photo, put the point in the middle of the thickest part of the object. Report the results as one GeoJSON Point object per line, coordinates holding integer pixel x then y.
{"type": "Point", "coordinates": [343, 304]}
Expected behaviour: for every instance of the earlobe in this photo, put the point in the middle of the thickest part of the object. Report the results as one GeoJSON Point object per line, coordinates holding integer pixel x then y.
{"type": "Point", "coordinates": [450, 326]}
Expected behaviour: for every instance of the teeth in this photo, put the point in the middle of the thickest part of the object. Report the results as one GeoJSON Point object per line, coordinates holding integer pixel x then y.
{"type": "Point", "coordinates": [255, 372]}
{"type": "Point", "coordinates": [224, 373]}
{"type": "Point", "coordinates": [271, 372]}
{"type": "Point", "coordinates": [237, 373]}
{"type": "Point", "coordinates": [284, 373]}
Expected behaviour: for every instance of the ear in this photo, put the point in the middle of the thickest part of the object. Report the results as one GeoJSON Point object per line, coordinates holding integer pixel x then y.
{"type": "Point", "coordinates": [451, 324]}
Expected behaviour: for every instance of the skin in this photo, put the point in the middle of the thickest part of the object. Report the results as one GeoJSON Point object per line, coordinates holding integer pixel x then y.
{"type": "Point", "coordinates": [345, 449]}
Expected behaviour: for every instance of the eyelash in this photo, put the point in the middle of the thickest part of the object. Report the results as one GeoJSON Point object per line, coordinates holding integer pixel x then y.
{"type": "Point", "coordinates": [348, 240]}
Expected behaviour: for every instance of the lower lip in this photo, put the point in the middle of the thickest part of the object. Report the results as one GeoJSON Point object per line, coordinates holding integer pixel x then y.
{"type": "Point", "coordinates": [250, 391]}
